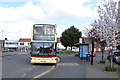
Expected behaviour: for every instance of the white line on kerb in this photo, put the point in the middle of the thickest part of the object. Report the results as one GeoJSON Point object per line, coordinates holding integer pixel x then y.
{"type": "Point", "coordinates": [42, 74]}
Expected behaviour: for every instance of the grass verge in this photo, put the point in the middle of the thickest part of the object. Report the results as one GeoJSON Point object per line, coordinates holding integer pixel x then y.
{"type": "Point", "coordinates": [110, 69]}
{"type": "Point", "coordinates": [67, 52]}
{"type": "Point", "coordinates": [102, 61]}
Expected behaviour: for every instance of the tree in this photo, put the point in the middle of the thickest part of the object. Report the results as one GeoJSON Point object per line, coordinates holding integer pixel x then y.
{"type": "Point", "coordinates": [65, 39]}
{"type": "Point", "coordinates": [105, 29]}
{"type": "Point", "coordinates": [107, 21]}
{"type": "Point", "coordinates": [70, 36]}
{"type": "Point", "coordinates": [94, 35]}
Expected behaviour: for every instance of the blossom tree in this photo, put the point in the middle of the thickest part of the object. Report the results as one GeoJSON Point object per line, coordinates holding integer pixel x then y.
{"type": "Point", "coordinates": [107, 21]}
{"type": "Point", "coordinates": [105, 29]}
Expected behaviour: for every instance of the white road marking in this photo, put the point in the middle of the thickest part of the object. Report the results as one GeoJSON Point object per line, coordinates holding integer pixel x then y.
{"type": "Point", "coordinates": [68, 64]}
{"type": "Point", "coordinates": [30, 68]}
{"type": "Point", "coordinates": [23, 75]}
{"type": "Point", "coordinates": [46, 72]}
{"type": "Point", "coordinates": [33, 66]}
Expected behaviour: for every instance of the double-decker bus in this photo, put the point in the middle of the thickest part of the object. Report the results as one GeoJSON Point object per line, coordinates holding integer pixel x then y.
{"type": "Point", "coordinates": [43, 44]}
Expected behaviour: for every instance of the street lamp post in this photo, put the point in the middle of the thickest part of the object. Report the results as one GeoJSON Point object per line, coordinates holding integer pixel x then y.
{"type": "Point", "coordinates": [92, 52]}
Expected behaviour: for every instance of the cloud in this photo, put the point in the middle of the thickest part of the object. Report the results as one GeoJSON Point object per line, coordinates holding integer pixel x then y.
{"type": "Point", "coordinates": [73, 8]}
{"type": "Point", "coordinates": [16, 30]}
{"type": "Point", "coordinates": [17, 21]}
{"type": "Point", "coordinates": [60, 29]}
{"type": "Point", "coordinates": [20, 13]}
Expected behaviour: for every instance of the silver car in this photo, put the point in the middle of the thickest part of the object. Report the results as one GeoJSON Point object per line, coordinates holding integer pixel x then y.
{"type": "Point", "coordinates": [117, 57]}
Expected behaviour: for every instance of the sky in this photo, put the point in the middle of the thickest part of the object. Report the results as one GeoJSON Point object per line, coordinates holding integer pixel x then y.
{"type": "Point", "coordinates": [18, 16]}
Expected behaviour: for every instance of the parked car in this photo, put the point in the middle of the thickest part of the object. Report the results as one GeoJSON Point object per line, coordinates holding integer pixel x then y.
{"type": "Point", "coordinates": [59, 50]}
{"type": "Point", "coordinates": [4, 50]}
{"type": "Point", "coordinates": [11, 50]}
{"type": "Point", "coordinates": [109, 57]}
{"type": "Point", "coordinates": [76, 54]}
{"type": "Point", "coordinates": [115, 56]}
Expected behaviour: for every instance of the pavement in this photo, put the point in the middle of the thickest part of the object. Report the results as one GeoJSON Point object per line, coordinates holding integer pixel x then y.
{"type": "Point", "coordinates": [97, 69]}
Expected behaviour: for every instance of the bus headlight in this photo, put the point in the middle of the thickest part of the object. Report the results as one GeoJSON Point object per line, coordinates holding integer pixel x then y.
{"type": "Point", "coordinates": [32, 58]}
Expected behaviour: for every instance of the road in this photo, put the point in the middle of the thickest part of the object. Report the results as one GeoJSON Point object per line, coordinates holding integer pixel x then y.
{"type": "Point", "coordinates": [69, 67]}
{"type": "Point", "coordinates": [18, 66]}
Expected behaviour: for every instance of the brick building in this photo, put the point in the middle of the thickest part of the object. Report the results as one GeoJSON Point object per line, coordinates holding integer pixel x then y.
{"type": "Point", "coordinates": [1, 44]}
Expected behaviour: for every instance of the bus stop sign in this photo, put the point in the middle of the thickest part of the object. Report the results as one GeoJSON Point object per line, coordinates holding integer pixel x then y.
{"type": "Point", "coordinates": [84, 50]}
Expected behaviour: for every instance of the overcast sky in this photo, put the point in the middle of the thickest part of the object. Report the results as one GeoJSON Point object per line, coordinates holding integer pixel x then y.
{"type": "Point", "coordinates": [18, 16]}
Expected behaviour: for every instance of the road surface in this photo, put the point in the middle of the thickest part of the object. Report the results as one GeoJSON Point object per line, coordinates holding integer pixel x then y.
{"type": "Point", "coordinates": [69, 67]}
{"type": "Point", "coordinates": [19, 66]}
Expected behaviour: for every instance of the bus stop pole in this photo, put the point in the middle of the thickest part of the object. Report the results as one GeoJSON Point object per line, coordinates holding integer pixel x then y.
{"type": "Point", "coordinates": [92, 52]}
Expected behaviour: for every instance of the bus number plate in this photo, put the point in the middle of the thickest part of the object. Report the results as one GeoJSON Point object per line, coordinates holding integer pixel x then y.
{"type": "Point", "coordinates": [43, 61]}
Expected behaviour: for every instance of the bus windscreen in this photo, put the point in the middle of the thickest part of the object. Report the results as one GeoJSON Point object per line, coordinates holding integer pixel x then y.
{"type": "Point", "coordinates": [43, 48]}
